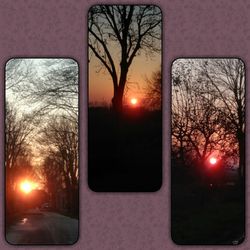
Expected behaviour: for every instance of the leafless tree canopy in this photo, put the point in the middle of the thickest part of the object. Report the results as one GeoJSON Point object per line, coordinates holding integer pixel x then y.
{"type": "Point", "coordinates": [208, 108]}
{"type": "Point", "coordinates": [18, 163]}
{"type": "Point", "coordinates": [17, 130]}
{"type": "Point", "coordinates": [42, 121]}
{"type": "Point", "coordinates": [56, 89]}
{"type": "Point", "coordinates": [17, 72]}
{"type": "Point", "coordinates": [117, 33]}
{"type": "Point", "coordinates": [154, 91]}
{"type": "Point", "coordinates": [60, 140]}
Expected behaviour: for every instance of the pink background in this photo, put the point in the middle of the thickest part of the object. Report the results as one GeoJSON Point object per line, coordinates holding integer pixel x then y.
{"type": "Point", "coordinates": [58, 28]}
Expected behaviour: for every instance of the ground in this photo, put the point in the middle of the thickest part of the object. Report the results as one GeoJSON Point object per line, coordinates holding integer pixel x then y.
{"type": "Point", "coordinates": [204, 214]}
{"type": "Point", "coordinates": [37, 227]}
{"type": "Point", "coordinates": [124, 150]}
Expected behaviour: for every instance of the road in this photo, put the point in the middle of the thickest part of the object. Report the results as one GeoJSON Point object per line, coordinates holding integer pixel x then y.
{"type": "Point", "coordinates": [42, 227]}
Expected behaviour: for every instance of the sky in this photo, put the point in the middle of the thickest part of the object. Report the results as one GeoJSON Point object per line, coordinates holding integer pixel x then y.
{"type": "Point", "coordinates": [194, 95]}
{"type": "Point", "coordinates": [100, 86]}
{"type": "Point", "coordinates": [38, 68]}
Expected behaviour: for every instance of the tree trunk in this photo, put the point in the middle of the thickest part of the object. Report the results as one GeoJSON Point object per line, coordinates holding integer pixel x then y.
{"type": "Point", "coordinates": [117, 100]}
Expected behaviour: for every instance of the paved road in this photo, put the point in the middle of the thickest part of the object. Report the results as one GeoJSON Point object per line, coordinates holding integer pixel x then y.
{"type": "Point", "coordinates": [38, 227]}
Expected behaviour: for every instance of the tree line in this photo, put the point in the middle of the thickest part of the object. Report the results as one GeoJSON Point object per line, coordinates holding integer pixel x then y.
{"type": "Point", "coordinates": [42, 138]}
{"type": "Point", "coordinates": [119, 33]}
{"type": "Point", "coordinates": [208, 110]}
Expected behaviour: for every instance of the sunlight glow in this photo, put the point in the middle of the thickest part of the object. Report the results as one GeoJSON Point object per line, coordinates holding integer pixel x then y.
{"type": "Point", "coordinates": [213, 160]}
{"type": "Point", "coordinates": [134, 101]}
{"type": "Point", "coordinates": [27, 186]}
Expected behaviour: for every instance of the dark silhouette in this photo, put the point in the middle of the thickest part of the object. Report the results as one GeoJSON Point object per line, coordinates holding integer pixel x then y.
{"type": "Point", "coordinates": [41, 127]}
{"type": "Point", "coordinates": [232, 94]}
{"type": "Point", "coordinates": [124, 142]}
{"type": "Point", "coordinates": [208, 133]}
{"type": "Point", "coordinates": [60, 167]}
{"type": "Point", "coordinates": [153, 91]}
{"type": "Point", "coordinates": [126, 30]}
{"type": "Point", "coordinates": [125, 152]}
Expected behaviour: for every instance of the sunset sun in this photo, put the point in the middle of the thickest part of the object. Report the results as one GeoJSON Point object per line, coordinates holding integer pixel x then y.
{"type": "Point", "coordinates": [213, 160]}
{"type": "Point", "coordinates": [27, 186]}
{"type": "Point", "coordinates": [133, 101]}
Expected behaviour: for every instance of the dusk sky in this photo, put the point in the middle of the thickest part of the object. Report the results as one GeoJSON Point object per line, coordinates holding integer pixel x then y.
{"type": "Point", "coordinates": [101, 86]}
{"type": "Point", "coordinates": [38, 69]}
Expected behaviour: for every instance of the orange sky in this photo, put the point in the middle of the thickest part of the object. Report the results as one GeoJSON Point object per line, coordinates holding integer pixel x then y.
{"type": "Point", "coordinates": [100, 83]}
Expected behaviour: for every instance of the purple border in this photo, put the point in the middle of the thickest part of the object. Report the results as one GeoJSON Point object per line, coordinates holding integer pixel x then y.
{"type": "Point", "coordinates": [30, 28]}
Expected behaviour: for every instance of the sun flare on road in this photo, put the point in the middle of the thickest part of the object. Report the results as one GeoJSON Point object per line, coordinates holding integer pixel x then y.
{"type": "Point", "coordinates": [27, 186]}
{"type": "Point", "coordinates": [133, 101]}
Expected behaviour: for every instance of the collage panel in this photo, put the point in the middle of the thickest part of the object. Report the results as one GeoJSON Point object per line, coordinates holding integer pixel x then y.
{"type": "Point", "coordinates": [208, 151]}
{"type": "Point", "coordinates": [41, 151]}
{"type": "Point", "coordinates": [124, 98]}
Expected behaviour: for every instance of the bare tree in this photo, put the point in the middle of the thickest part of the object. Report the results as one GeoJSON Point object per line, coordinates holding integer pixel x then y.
{"type": "Point", "coordinates": [58, 88]}
{"type": "Point", "coordinates": [227, 77]}
{"type": "Point", "coordinates": [17, 156]}
{"type": "Point", "coordinates": [193, 131]}
{"type": "Point", "coordinates": [60, 139]}
{"type": "Point", "coordinates": [17, 130]}
{"type": "Point", "coordinates": [17, 72]}
{"type": "Point", "coordinates": [50, 88]}
{"type": "Point", "coordinates": [208, 108]}
{"type": "Point", "coordinates": [53, 86]}
{"type": "Point", "coordinates": [123, 30]}
{"type": "Point", "coordinates": [52, 175]}
{"type": "Point", "coordinates": [197, 123]}
{"type": "Point", "coordinates": [153, 90]}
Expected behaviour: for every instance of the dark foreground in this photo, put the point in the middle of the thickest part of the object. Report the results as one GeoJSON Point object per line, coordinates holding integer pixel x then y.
{"type": "Point", "coordinates": [206, 215]}
{"type": "Point", "coordinates": [43, 228]}
{"type": "Point", "coordinates": [125, 152]}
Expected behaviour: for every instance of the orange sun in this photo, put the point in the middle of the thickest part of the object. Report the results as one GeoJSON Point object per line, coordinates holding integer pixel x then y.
{"type": "Point", "coordinates": [27, 186]}
{"type": "Point", "coordinates": [213, 160]}
{"type": "Point", "coordinates": [133, 101]}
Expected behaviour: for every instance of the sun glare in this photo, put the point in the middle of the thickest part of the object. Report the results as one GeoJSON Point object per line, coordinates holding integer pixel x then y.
{"type": "Point", "coordinates": [27, 186]}
{"type": "Point", "coordinates": [213, 160]}
{"type": "Point", "coordinates": [134, 101]}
